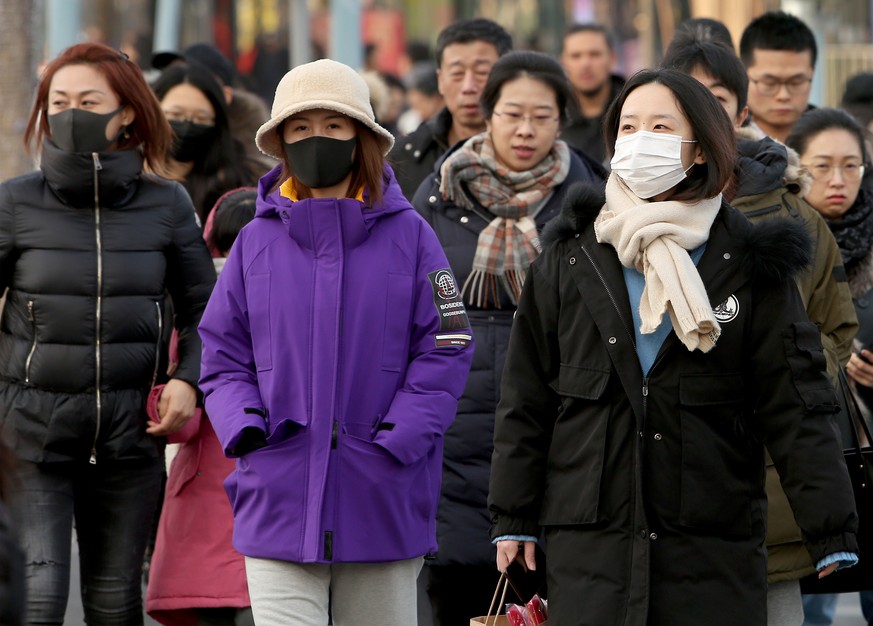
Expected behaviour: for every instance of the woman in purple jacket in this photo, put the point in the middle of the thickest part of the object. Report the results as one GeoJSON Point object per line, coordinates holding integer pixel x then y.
{"type": "Point", "coordinates": [335, 347]}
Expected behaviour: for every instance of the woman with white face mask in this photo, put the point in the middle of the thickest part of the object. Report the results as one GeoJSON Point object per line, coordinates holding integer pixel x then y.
{"type": "Point", "coordinates": [659, 345]}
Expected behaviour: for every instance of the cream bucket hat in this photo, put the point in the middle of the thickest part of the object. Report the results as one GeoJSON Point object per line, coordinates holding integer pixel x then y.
{"type": "Point", "coordinates": [322, 84]}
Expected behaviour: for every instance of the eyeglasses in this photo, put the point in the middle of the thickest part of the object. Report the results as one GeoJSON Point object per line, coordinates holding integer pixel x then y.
{"type": "Point", "coordinates": [824, 171]}
{"type": "Point", "coordinates": [771, 86]}
{"type": "Point", "coordinates": [201, 119]}
{"type": "Point", "coordinates": [514, 118]}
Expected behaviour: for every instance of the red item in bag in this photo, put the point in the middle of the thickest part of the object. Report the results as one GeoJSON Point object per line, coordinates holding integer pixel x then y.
{"type": "Point", "coordinates": [515, 615]}
{"type": "Point", "coordinates": [536, 610]}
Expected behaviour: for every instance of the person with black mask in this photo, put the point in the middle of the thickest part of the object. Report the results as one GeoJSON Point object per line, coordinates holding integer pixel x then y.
{"type": "Point", "coordinates": [91, 248]}
{"type": "Point", "coordinates": [204, 156]}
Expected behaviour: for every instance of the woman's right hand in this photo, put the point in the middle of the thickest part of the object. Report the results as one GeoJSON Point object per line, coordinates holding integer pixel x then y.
{"type": "Point", "coordinates": [507, 552]}
{"type": "Point", "coordinates": [860, 369]}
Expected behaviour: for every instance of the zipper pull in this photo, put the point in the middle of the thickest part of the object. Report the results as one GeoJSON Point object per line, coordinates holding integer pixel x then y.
{"type": "Point", "coordinates": [30, 310]}
{"type": "Point", "coordinates": [93, 459]}
{"type": "Point", "coordinates": [645, 387]}
{"type": "Point", "coordinates": [97, 164]}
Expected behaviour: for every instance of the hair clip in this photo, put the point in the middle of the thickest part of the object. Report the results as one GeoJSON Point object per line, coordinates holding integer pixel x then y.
{"type": "Point", "coordinates": [123, 55]}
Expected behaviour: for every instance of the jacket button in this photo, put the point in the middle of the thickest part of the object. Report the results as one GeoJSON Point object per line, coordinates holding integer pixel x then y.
{"type": "Point", "coordinates": [432, 199]}
{"type": "Point", "coordinates": [657, 437]}
{"type": "Point", "coordinates": [727, 256]}
{"type": "Point", "coordinates": [577, 235]}
{"type": "Point", "coordinates": [408, 146]}
{"type": "Point", "coordinates": [641, 436]}
{"type": "Point", "coordinates": [285, 214]}
{"type": "Point", "coordinates": [572, 260]}
{"type": "Point", "coordinates": [613, 340]}
{"type": "Point", "coordinates": [464, 219]}
{"type": "Point", "coordinates": [416, 154]}
{"type": "Point", "coordinates": [653, 536]}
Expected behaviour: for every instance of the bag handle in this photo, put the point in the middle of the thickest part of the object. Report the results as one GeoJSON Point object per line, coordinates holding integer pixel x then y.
{"type": "Point", "coordinates": [495, 605]}
{"type": "Point", "coordinates": [853, 413]}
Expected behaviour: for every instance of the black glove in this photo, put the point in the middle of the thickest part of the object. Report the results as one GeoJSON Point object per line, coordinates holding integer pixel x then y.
{"type": "Point", "coordinates": [252, 438]}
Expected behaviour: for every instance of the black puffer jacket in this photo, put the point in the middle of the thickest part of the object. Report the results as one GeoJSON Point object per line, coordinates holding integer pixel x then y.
{"type": "Point", "coordinates": [462, 517]}
{"type": "Point", "coordinates": [657, 480]}
{"type": "Point", "coordinates": [88, 248]}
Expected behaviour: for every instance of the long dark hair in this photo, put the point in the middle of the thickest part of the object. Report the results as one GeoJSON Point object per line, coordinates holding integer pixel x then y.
{"type": "Point", "coordinates": [709, 122]}
{"type": "Point", "coordinates": [222, 167]}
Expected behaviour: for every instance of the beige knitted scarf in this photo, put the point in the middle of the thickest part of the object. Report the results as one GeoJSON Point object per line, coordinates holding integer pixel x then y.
{"type": "Point", "coordinates": [654, 238]}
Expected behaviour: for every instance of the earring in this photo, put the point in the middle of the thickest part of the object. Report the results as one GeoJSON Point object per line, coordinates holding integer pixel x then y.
{"type": "Point", "coordinates": [124, 132]}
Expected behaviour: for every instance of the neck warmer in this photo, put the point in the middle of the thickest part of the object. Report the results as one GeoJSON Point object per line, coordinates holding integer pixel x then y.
{"type": "Point", "coordinates": [510, 242]}
{"type": "Point", "coordinates": [854, 230]}
{"type": "Point", "coordinates": [654, 238]}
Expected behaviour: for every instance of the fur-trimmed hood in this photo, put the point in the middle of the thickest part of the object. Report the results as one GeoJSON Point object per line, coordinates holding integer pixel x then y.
{"type": "Point", "coordinates": [764, 164]}
{"type": "Point", "coordinates": [774, 250]}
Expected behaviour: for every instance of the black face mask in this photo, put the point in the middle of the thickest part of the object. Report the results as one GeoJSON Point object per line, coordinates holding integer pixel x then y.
{"type": "Point", "coordinates": [191, 140]}
{"type": "Point", "coordinates": [77, 130]}
{"type": "Point", "coordinates": [320, 162]}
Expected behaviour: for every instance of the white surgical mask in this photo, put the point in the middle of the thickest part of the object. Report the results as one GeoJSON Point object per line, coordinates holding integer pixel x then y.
{"type": "Point", "coordinates": [649, 163]}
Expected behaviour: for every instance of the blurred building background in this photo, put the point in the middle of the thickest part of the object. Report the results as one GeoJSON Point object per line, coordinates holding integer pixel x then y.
{"type": "Point", "coordinates": [265, 37]}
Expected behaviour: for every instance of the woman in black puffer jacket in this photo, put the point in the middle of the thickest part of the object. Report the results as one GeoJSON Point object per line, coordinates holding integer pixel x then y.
{"type": "Point", "coordinates": [494, 192]}
{"type": "Point", "coordinates": [90, 247]}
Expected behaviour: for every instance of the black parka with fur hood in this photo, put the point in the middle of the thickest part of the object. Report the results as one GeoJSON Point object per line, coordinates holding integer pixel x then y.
{"type": "Point", "coordinates": [650, 487]}
{"type": "Point", "coordinates": [89, 246]}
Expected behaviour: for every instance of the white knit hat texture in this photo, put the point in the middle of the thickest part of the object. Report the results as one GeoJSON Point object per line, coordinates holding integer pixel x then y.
{"type": "Point", "coordinates": [322, 84]}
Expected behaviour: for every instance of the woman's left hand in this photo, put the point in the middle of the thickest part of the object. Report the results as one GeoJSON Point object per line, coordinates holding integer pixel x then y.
{"type": "Point", "coordinates": [830, 569]}
{"type": "Point", "coordinates": [860, 369]}
{"type": "Point", "coordinates": [176, 406]}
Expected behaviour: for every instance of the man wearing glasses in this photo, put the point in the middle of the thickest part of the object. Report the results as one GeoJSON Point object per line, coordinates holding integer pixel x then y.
{"type": "Point", "coordinates": [779, 53]}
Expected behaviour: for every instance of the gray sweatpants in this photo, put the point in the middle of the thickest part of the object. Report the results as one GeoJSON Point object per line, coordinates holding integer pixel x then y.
{"type": "Point", "coordinates": [357, 594]}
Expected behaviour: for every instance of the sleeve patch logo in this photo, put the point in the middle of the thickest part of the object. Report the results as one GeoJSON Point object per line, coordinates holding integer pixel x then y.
{"type": "Point", "coordinates": [448, 303]}
{"type": "Point", "coordinates": [457, 339]}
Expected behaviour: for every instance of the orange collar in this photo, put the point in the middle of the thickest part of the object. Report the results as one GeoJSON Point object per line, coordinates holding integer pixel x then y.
{"type": "Point", "coordinates": [288, 190]}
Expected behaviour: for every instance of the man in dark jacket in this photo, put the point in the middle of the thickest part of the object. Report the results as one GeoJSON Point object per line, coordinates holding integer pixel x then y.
{"type": "Point", "coordinates": [465, 52]}
{"type": "Point", "coordinates": [588, 58]}
{"type": "Point", "coordinates": [779, 53]}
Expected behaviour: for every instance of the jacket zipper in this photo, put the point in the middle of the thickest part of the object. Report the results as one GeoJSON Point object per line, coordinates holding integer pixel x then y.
{"type": "Point", "coordinates": [99, 312]}
{"type": "Point", "coordinates": [646, 381]}
{"type": "Point", "coordinates": [32, 317]}
{"type": "Point", "coordinates": [158, 343]}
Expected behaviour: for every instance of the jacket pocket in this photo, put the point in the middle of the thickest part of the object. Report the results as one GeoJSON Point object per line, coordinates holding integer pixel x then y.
{"type": "Point", "coordinates": [720, 460]}
{"type": "Point", "coordinates": [805, 356]}
{"type": "Point", "coordinates": [258, 299]}
{"type": "Point", "coordinates": [578, 449]}
{"type": "Point", "coordinates": [395, 337]}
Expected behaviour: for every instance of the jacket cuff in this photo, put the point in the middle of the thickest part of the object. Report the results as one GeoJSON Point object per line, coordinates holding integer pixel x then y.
{"type": "Point", "coordinates": [505, 526]}
{"type": "Point", "coordinates": [821, 548]}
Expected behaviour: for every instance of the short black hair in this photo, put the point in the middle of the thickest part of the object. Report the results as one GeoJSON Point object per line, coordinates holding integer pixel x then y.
{"type": "Point", "coordinates": [713, 130]}
{"type": "Point", "coordinates": [705, 29]}
{"type": "Point", "coordinates": [819, 120]}
{"type": "Point", "coordinates": [233, 210]}
{"type": "Point", "coordinates": [687, 53]}
{"type": "Point", "coordinates": [776, 30]}
{"type": "Point", "coordinates": [468, 31]}
{"type": "Point", "coordinates": [536, 65]}
{"type": "Point", "coordinates": [588, 27]}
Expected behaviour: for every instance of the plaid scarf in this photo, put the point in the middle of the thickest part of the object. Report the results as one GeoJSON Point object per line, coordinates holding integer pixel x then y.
{"type": "Point", "coordinates": [510, 242]}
